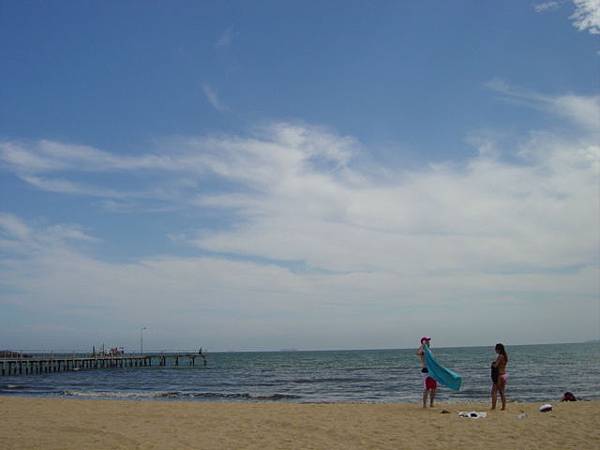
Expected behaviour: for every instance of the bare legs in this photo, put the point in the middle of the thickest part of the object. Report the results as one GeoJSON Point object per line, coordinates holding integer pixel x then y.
{"type": "Point", "coordinates": [502, 396]}
{"type": "Point", "coordinates": [498, 388]}
{"type": "Point", "coordinates": [431, 393]}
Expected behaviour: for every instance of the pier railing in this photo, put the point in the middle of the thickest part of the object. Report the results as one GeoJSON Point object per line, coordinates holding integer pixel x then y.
{"type": "Point", "coordinates": [50, 364]}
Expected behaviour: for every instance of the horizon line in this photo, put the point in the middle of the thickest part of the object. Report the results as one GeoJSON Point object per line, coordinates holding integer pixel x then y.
{"type": "Point", "coordinates": [298, 350]}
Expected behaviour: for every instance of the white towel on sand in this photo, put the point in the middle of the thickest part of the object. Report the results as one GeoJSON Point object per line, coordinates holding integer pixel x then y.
{"type": "Point", "coordinates": [473, 414]}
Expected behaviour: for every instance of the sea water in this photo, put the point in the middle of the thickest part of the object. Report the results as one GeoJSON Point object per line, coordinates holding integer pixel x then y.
{"type": "Point", "coordinates": [536, 373]}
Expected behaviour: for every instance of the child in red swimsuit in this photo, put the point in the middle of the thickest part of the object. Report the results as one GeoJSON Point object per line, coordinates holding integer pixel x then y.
{"type": "Point", "coordinates": [429, 384]}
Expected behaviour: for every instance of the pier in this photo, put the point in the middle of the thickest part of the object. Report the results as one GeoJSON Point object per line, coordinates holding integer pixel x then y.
{"type": "Point", "coordinates": [51, 364]}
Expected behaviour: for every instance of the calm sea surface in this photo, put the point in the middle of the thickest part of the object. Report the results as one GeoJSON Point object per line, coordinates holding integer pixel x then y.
{"type": "Point", "coordinates": [536, 373]}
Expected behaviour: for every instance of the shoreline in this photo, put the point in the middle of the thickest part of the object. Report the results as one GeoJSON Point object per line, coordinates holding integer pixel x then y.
{"type": "Point", "coordinates": [275, 399]}
{"type": "Point", "coordinates": [67, 423]}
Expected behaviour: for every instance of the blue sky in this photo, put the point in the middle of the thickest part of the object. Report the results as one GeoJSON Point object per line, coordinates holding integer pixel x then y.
{"type": "Point", "coordinates": [264, 175]}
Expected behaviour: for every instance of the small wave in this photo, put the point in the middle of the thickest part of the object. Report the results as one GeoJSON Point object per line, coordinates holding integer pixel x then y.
{"type": "Point", "coordinates": [178, 395]}
{"type": "Point", "coordinates": [167, 395]}
{"type": "Point", "coordinates": [220, 395]}
{"type": "Point", "coordinates": [109, 394]}
{"type": "Point", "coordinates": [278, 397]}
{"type": "Point", "coordinates": [21, 389]}
{"type": "Point", "coordinates": [245, 396]}
{"type": "Point", "coordinates": [330, 380]}
{"type": "Point", "coordinates": [14, 388]}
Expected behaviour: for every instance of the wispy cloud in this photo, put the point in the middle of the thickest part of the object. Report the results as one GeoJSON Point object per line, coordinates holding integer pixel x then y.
{"type": "Point", "coordinates": [583, 111]}
{"type": "Point", "coordinates": [213, 98]}
{"type": "Point", "coordinates": [12, 226]}
{"type": "Point", "coordinates": [63, 186]}
{"type": "Point", "coordinates": [226, 38]}
{"type": "Point", "coordinates": [585, 17]}
{"type": "Point", "coordinates": [548, 6]}
{"type": "Point", "coordinates": [48, 165]}
{"type": "Point", "coordinates": [22, 238]}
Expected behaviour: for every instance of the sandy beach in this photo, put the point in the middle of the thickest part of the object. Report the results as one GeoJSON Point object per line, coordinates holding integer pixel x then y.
{"type": "Point", "coordinates": [96, 424]}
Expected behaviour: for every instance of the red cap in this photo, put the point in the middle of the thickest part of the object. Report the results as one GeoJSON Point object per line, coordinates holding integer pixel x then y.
{"type": "Point", "coordinates": [425, 338]}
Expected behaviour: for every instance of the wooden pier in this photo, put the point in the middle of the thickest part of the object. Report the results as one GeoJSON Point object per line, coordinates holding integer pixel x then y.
{"type": "Point", "coordinates": [51, 364]}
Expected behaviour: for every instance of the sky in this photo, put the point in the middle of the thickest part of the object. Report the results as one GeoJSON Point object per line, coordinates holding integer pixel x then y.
{"type": "Point", "coordinates": [311, 175]}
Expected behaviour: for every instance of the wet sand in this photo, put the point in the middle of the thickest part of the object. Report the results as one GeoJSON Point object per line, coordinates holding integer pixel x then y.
{"type": "Point", "coordinates": [97, 424]}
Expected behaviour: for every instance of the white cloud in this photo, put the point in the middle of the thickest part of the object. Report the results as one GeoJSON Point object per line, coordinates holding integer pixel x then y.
{"type": "Point", "coordinates": [213, 98]}
{"type": "Point", "coordinates": [321, 247]}
{"type": "Point", "coordinates": [421, 221]}
{"type": "Point", "coordinates": [226, 304]}
{"type": "Point", "coordinates": [587, 16]}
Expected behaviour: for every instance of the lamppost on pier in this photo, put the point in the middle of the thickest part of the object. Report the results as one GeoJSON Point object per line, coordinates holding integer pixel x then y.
{"type": "Point", "coordinates": [142, 340]}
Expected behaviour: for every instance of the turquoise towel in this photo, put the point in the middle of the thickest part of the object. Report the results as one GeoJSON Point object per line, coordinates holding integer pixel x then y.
{"type": "Point", "coordinates": [440, 374]}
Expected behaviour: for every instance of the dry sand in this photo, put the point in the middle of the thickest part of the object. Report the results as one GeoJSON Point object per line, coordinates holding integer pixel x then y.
{"type": "Point", "coordinates": [97, 424]}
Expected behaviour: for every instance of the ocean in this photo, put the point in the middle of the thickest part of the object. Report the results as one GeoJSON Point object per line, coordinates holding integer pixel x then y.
{"type": "Point", "coordinates": [536, 373]}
